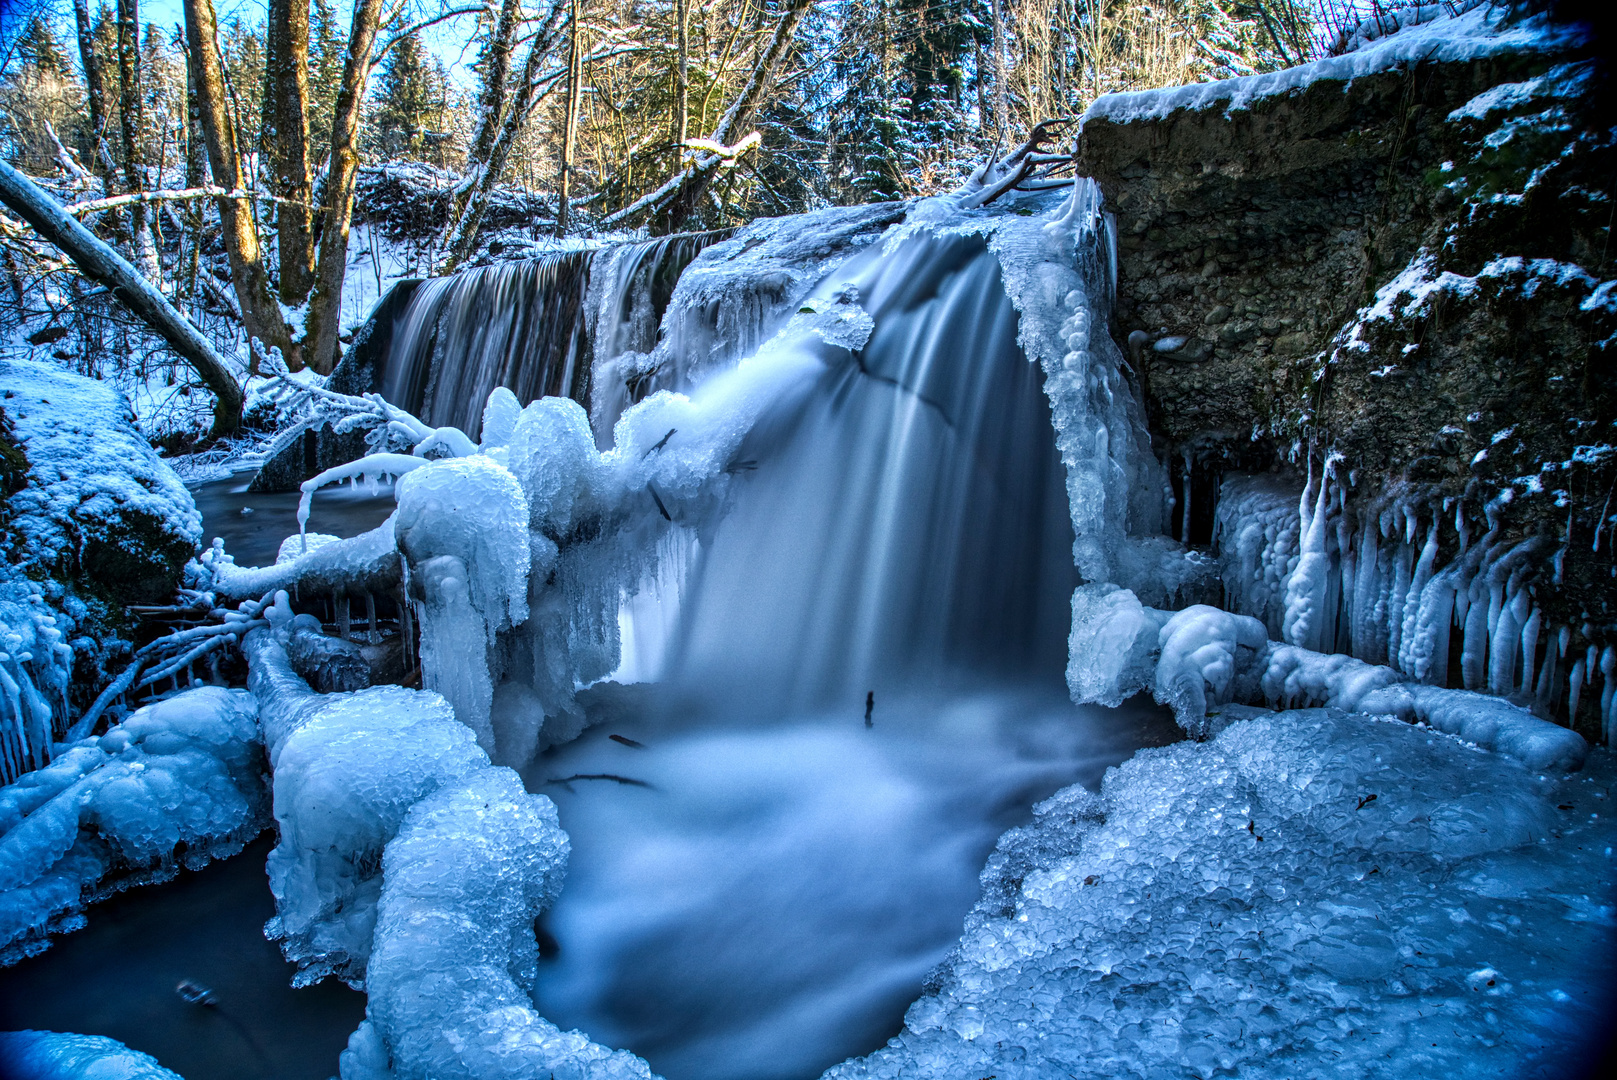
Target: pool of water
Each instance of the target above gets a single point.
(253, 525)
(117, 977)
(758, 899)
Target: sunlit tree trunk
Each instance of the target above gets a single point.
(325, 305)
(261, 317)
(569, 135)
(286, 109)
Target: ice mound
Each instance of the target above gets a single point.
(455, 957)
(348, 767)
(179, 782)
(1308, 894)
(50, 1055)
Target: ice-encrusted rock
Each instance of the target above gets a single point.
(52, 1055)
(348, 768)
(179, 782)
(455, 959)
(1308, 894)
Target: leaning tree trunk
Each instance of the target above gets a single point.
(681, 198)
(104, 265)
(495, 65)
(325, 305)
(286, 107)
(464, 232)
(259, 312)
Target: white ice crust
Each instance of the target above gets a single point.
(116, 810)
(1308, 894)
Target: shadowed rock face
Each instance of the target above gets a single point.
(1270, 239)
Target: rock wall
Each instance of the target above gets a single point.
(1406, 268)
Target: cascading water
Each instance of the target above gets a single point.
(535, 327)
(515, 325)
(766, 861)
(907, 519)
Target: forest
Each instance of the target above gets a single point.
(232, 173)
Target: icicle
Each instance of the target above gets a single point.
(345, 628)
(1364, 592)
(1549, 675)
(1574, 692)
(1474, 650)
(1305, 588)
(1502, 645)
(1608, 693)
(1429, 631)
(373, 635)
(1412, 602)
(1530, 630)
(1459, 525)
(1397, 599)
(1184, 528)
(1347, 575)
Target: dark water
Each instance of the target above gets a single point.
(253, 539)
(116, 977)
(760, 899)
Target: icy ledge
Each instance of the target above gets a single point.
(1201, 658)
(409, 862)
(1307, 894)
(183, 775)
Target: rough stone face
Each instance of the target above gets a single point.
(1390, 270)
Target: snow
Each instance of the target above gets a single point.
(1561, 81)
(1475, 35)
(91, 473)
(1307, 894)
(178, 782)
(1203, 655)
(50, 1055)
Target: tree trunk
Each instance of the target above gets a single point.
(685, 193)
(131, 124)
(286, 108)
(259, 313)
(96, 96)
(1001, 121)
(325, 305)
(682, 82)
(569, 134)
(105, 266)
(496, 65)
(463, 234)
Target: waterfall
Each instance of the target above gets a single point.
(536, 327)
(903, 517)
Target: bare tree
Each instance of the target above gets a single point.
(287, 116)
(100, 263)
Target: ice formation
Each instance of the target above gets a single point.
(93, 483)
(178, 782)
(1308, 894)
(410, 865)
(50, 1055)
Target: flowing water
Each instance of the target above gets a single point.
(117, 977)
(862, 688)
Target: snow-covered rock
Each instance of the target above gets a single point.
(1308, 894)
